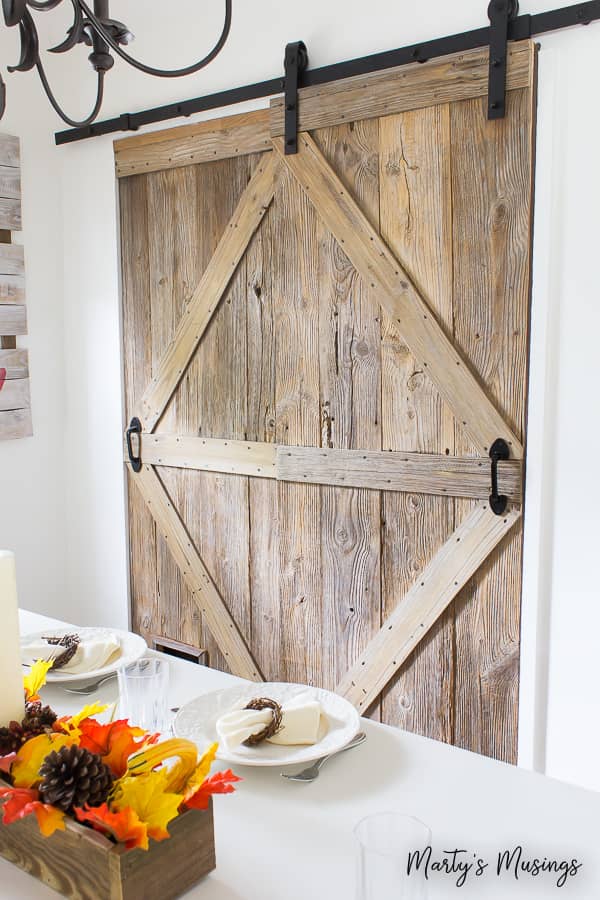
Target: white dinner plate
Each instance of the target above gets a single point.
(197, 721)
(132, 647)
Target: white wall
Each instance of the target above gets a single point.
(76, 545)
(32, 506)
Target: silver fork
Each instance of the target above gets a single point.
(90, 688)
(312, 772)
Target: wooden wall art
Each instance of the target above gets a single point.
(15, 407)
(321, 351)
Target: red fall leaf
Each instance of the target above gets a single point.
(219, 783)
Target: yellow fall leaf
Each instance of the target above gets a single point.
(199, 775)
(148, 796)
(36, 678)
(153, 755)
(71, 725)
(26, 766)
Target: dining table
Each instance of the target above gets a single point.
(284, 840)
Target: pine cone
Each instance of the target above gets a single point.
(11, 739)
(72, 776)
(38, 719)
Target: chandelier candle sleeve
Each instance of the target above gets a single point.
(12, 703)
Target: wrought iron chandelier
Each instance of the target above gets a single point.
(97, 30)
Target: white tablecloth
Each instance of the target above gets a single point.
(278, 840)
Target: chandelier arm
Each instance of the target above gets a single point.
(73, 123)
(149, 70)
(43, 4)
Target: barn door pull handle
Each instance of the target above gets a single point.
(499, 450)
(500, 13)
(135, 427)
(296, 61)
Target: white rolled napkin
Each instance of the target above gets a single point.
(93, 652)
(301, 718)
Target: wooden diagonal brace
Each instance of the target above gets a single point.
(380, 269)
(195, 574)
(248, 215)
(435, 588)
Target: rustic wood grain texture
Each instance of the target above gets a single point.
(491, 186)
(385, 470)
(455, 77)
(15, 423)
(295, 285)
(12, 289)
(10, 151)
(83, 865)
(212, 398)
(15, 394)
(229, 456)
(434, 589)
(15, 363)
(350, 409)
(10, 214)
(137, 362)
(215, 613)
(13, 319)
(416, 222)
(10, 182)
(209, 291)
(12, 259)
(263, 511)
(205, 142)
(400, 298)
(172, 199)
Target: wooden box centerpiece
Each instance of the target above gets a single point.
(104, 810)
(84, 865)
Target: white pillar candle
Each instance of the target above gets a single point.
(12, 703)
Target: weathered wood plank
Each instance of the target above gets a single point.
(212, 401)
(199, 581)
(137, 363)
(491, 189)
(263, 512)
(415, 86)
(295, 285)
(172, 198)
(14, 394)
(15, 363)
(10, 182)
(211, 454)
(10, 214)
(418, 473)
(10, 150)
(435, 588)
(416, 222)
(399, 297)
(15, 423)
(12, 259)
(190, 144)
(13, 319)
(208, 293)
(350, 388)
(12, 289)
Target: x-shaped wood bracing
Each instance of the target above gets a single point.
(476, 536)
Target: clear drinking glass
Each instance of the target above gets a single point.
(144, 693)
(385, 841)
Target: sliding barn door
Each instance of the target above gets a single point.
(320, 351)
